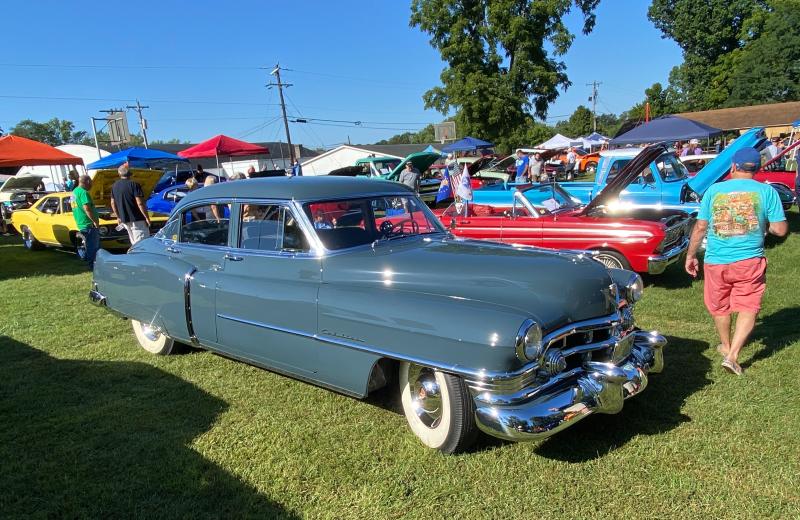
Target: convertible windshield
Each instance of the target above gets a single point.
(347, 223)
(551, 197)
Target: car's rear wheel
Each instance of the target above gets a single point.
(151, 339)
(438, 408)
(612, 260)
(29, 241)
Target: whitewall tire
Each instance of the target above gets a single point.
(438, 408)
(151, 339)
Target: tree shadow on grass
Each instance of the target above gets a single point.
(776, 331)
(655, 411)
(109, 439)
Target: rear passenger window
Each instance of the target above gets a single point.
(270, 227)
(208, 225)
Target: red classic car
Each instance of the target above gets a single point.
(781, 168)
(545, 215)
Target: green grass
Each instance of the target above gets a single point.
(93, 426)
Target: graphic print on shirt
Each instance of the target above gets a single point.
(735, 214)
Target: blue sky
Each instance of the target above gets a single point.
(199, 67)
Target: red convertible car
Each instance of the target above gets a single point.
(544, 215)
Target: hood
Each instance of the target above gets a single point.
(716, 169)
(628, 174)
(553, 287)
(104, 179)
(26, 182)
(421, 161)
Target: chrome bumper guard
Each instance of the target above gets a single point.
(659, 263)
(594, 387)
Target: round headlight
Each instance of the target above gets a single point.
(103, 230)
(529, 341)
(634, 289)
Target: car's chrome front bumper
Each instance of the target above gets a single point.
(569, 397)
(659, 263)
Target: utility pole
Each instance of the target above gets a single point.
(277, 73)
(593, 99)
(142, 122)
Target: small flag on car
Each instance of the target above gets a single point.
(445, 188)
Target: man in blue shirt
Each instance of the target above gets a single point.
(297, 170)
(522, 167)
(735, 215)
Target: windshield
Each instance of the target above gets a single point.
(347, 223)
(550, 197)
(671, 168)
(384, 167)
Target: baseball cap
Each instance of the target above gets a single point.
(747, 159)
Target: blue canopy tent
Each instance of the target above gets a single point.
(667, 128)
(137, 158)
(466, 144)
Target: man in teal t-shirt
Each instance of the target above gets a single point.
(85, 215)
(735, 215)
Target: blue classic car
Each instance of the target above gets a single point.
(353, 285)
(664, 184)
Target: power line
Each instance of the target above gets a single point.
(142, 122)
(277, 73)
(593, 99)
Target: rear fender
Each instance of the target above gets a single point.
(145, 287)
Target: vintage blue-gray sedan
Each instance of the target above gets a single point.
(354, 285)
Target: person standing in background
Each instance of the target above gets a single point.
(536, 168)
(250, 171)
(735, 215)
(572, 160)
(521, 165)
(72, 180)
(297, 170)
(410, 177)
(86, 218)
(127, 202)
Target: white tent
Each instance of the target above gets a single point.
(560, 141)
(54, 175)
(594, 139)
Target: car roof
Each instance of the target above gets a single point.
(621, 152)
(299, 188)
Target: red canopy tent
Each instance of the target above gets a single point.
(19, 151)
(222, 145)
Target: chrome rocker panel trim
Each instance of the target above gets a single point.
(658, 264)
(595, 387)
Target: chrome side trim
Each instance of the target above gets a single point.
(97, 298)
(187, 304)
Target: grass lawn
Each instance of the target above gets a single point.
(93, 426)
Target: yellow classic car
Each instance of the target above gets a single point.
(49, 222)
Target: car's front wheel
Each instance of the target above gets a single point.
(438, 408)
(151, 339)
(591, 168)
(29, 241)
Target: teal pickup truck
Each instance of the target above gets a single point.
(389, 168)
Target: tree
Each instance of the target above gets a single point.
(499, 63)
(578, 124)
(54, 132)
(767, 70)
(708, 33)
(663, 101)
(423, 136)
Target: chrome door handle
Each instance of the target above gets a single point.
(173, 250)
(233, 258)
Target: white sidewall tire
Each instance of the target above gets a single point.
(430, 437)
(161, 346)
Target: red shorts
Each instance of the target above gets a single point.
(736, 287)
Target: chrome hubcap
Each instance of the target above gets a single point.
(26, 237)
(609, 261)
(426, 395)
(150, 332)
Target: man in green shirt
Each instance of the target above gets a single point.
(86, 218)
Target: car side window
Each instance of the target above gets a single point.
(271, 227)
(49, 205)
(66, 205)
(208, 224)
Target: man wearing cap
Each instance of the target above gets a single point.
(735, 215)
(127, 202)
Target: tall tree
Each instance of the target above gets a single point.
(54, 132)
(501, 59)
(708, 32)
(767, 70)
(578, 124)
